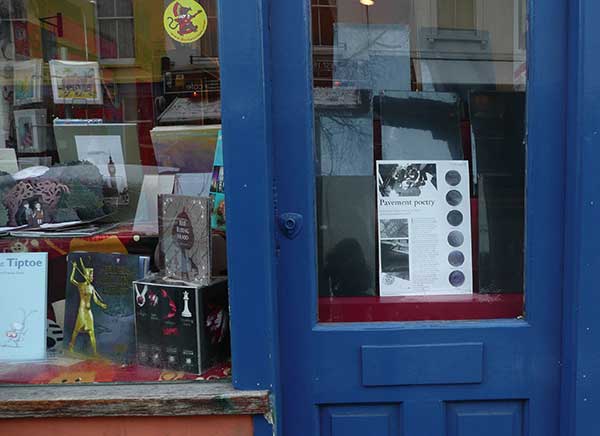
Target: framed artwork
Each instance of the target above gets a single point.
(27, 82)
(31, 130)
(75, 82)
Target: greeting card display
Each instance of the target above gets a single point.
(27, 82)
(424, 227)
(31, 130)
(181, 327)
(99, 312)
(23, 305)
(185, 238)
(75, 82)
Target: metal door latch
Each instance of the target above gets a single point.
(290, 224)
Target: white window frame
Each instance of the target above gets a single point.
(117, 60)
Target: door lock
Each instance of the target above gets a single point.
(290, 224)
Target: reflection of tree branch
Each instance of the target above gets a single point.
(342, 126)
(372, 42)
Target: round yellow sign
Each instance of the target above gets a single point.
(185, 21)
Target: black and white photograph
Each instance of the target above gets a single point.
(393, 228)
(395, 259)
(409, 180)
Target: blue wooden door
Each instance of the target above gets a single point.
(429, 366)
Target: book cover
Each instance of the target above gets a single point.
(99, 308)
(23, 306)
(182, 327)
(185, 237)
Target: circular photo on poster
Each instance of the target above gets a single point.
(456, 258)
(454, 198)
(453, 178)
(456, 238)
(455, 218)
(457, 279)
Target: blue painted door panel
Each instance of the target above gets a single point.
(492, 378)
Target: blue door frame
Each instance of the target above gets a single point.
(266, 102)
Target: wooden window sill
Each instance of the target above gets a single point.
(176, 399)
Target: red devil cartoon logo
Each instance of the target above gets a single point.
(183, 20)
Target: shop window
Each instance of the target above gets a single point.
(112, 204)
(116, 29)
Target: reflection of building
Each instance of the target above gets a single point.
(448, 36)
(143, 70)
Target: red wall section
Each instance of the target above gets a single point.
(130, 426)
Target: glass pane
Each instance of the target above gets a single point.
(126, 38)
(112, 203)
(106, 8)
(446, 14)
(465, 14)
(124, 8)
(108, 39)
(18, 9)
(423, 127)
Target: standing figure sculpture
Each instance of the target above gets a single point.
(87, 293)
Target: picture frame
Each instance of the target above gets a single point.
(27, 82)
(31, 128)
(75, 82)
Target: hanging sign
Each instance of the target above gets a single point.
(185, 21)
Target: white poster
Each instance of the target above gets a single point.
(424, 219)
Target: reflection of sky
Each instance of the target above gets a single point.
(400, 143)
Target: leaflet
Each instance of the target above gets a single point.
(424, 219)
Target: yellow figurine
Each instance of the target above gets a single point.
(87, 292)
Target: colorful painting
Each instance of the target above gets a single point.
(31, 130)
(27, 82)
(75, 82)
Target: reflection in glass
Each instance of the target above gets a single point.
(420, 82)
(418, 125)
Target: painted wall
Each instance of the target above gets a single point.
(130, 426)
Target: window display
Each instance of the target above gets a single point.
(112, 213)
